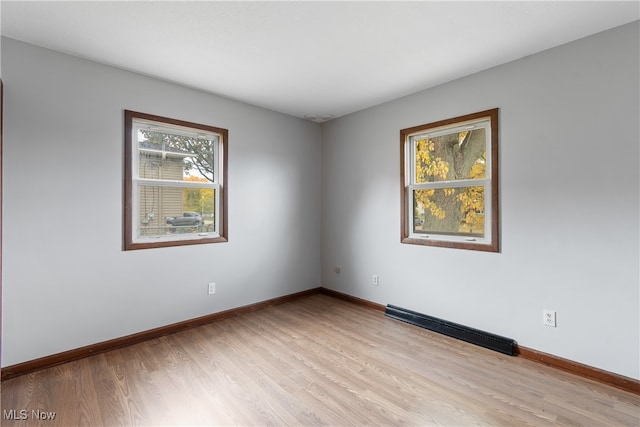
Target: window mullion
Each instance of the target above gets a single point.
(451, 184)
(173, 183)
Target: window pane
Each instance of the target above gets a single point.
(164, 155)
(452, 156)
(175, 210)
(452, 211)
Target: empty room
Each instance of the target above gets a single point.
(320, 213)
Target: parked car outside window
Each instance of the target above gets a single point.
(187, 219)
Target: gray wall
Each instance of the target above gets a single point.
(569, 197)
(67, 282)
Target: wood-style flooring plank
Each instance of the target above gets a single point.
(315, 361)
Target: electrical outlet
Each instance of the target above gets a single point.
(374, 280)
(549, 318)
(212, 288)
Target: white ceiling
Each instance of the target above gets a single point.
(308, 58)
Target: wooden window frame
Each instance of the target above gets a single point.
(130, 225)
(490, 243)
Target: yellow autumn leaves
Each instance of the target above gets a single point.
(472, 202)
(428, 168)
(198, 199)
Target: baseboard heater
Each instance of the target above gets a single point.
(461, 332)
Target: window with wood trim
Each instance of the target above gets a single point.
(175, 182)
(449, 172)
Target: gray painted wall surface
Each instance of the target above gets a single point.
(67, 282)
(569, 198)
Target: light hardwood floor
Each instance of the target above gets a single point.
(315, 361)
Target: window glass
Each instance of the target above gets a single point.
(454, 211)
